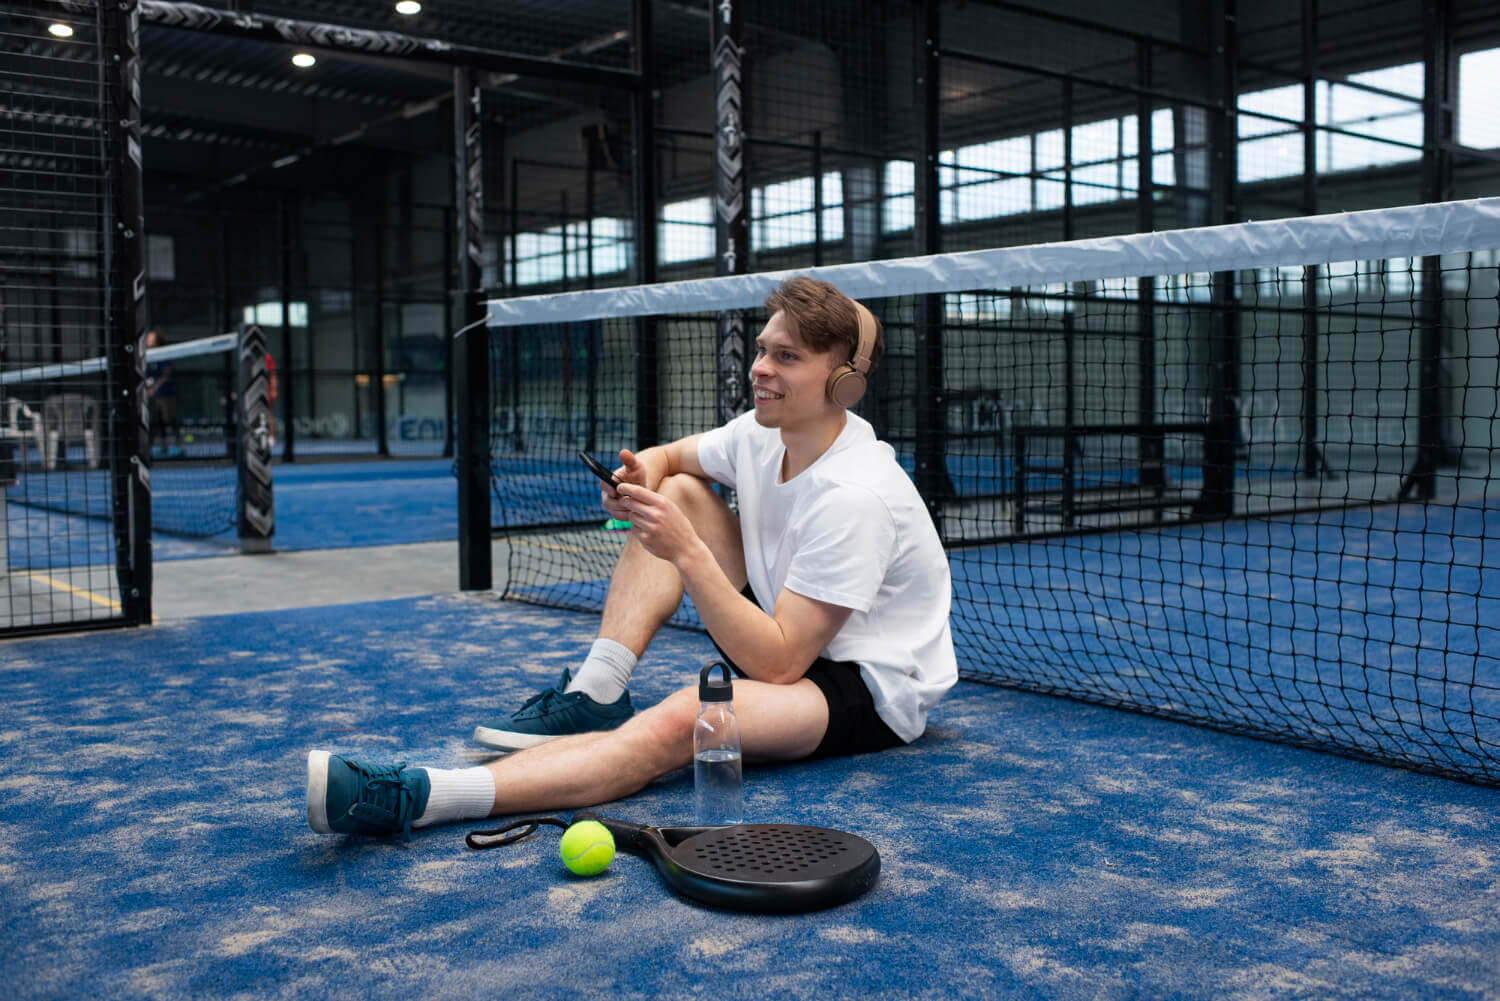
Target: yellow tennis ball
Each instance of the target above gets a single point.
(587, 848)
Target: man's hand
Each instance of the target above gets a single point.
(657, 523)
(647, 469)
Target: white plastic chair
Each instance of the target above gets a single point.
(69, 417)
(20, 422)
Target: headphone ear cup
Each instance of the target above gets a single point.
(846, 386)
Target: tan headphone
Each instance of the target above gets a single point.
(846, 383)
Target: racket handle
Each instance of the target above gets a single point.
(629, 837)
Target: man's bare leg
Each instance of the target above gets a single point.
(344, 796)
(777, 722)
(644, 591)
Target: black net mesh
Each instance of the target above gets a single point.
(1255, 499)
(194, 437)
(54, 280)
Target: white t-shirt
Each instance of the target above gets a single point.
(849, 530)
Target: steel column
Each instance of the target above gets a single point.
(643, 130)
(130, 446)
(930, 405)
(1433, 397)
(731, 202)
(1221, 445)
(475, 570)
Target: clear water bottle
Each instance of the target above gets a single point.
(718, 779)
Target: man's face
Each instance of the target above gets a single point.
(788, 378)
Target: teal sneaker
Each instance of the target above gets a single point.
(553, 713)
(345, 796)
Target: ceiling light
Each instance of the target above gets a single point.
(408, 7)
(303, 59)
(61, 30)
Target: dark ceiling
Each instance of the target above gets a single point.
(215, 105)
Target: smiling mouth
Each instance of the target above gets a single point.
(766, 394)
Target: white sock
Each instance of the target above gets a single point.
(457, 794)
(605, 673)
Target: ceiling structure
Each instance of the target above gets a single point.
(218, 108)
(215, 105)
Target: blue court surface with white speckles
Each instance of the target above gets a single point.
(155, 846)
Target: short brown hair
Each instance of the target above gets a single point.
(823, 316)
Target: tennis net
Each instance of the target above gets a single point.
(60, 420)
(1237, 475)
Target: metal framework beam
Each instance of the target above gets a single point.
(362, 41)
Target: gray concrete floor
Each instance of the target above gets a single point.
(186, 589)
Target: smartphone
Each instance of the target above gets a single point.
(598, 470)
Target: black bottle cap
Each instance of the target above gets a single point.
(715, 691)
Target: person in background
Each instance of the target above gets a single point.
(161, 397)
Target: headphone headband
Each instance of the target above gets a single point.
(866, 345)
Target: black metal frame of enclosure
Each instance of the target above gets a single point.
(1439, 99)
(931, 407)
(929, 53)
(130, 463)
(470, 371)
(475, 571)
(1216, 103)
(469, 367)
(643, 135)
(731, 202)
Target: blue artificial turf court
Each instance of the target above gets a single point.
(155, 845)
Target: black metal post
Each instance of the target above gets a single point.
(475, 570)
(731, 202)
(817, 173)
(1150, 452)
(285, 377)
(130, 445)
(227, 319)
(562, 236)
(1437, 185)
(377, 377)
(1067, 133)
(593, 346)
(595, 351)
(1312, 463)
(453, 309)
(357, 351)
(254, 499)
(515, 223)
(1069, 441)
(929, 404)
(589, 210)
(643, 129)
(1222, 403)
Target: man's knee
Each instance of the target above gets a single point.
(664, 732)
(687, 491)
(711, 518)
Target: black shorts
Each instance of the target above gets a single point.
(854, 727)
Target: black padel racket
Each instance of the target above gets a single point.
(766, 868)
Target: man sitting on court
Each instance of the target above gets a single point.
(829, 591)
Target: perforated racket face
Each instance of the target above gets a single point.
(775, 853)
